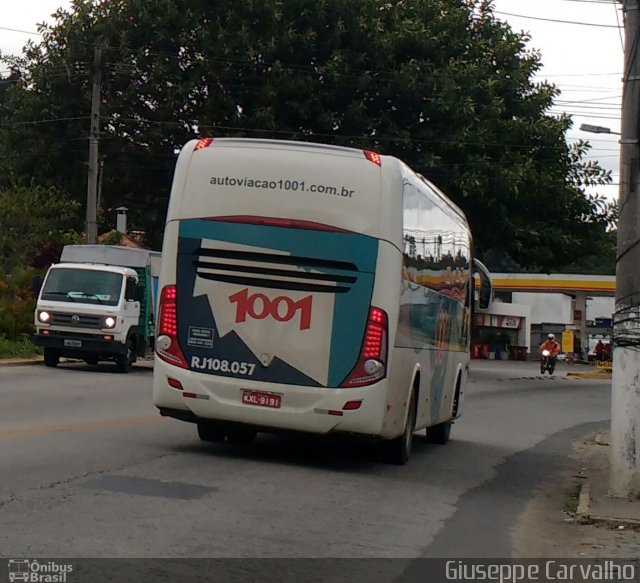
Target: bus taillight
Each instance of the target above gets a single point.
(167, 346)
(373, 157)
(372, 362)
(203, 143)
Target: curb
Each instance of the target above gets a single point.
(584, 503)
(584, 516)
(20, 362)
(589, 375)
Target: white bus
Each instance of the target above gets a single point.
(311, 288)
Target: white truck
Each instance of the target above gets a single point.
(98, 303)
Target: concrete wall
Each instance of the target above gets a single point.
(600, 308)
(546, 308)
(557, 308)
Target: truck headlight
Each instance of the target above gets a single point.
(109, 322)
(44, 317)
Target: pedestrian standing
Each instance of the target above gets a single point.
(599, 350)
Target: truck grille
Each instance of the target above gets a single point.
(76, 320)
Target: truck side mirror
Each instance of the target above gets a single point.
(131, 290)
(139, 292)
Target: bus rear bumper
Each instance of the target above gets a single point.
(303, 409)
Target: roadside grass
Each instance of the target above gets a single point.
(18, 349)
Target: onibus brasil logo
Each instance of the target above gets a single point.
(34, 571)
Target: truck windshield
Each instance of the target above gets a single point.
(83, 285)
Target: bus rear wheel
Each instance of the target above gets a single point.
(241, 436)
(440, 433)
(211, 431)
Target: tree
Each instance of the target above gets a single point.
(603, 262)
(441, 84)
(6, 82)
(17, 303)
(32, 219)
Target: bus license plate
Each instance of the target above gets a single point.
(261, 399)
(73, 343)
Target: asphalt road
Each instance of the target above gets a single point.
(89, 469)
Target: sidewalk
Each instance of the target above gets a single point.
(570, 515)
(530, 369)
(21, 361)
(595, 506)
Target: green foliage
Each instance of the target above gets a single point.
(17, 304)
(18, 349)
(602, 262)
(113, 238)
(30, 219)
(440, 84)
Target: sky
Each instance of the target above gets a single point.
(582, 54)
(584, 60)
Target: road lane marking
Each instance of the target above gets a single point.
(74, 427)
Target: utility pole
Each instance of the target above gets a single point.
(624, 480)
(94, 138)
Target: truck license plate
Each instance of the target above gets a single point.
(261, 399)
(73, 343)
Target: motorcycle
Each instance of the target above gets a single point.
(547, 362)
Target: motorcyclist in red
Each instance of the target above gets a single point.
(553, 347)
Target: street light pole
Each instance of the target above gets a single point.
(624, 479)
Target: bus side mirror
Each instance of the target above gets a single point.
(485, 294)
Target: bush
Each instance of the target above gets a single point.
(17, 304)
(30, 220)
(18, 349)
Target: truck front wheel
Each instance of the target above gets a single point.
(126, 360)
(51, 357)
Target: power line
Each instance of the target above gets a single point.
(39, 121)
(591, 88)
(311, 69)
(594, 140)
(582, 105)
(20, 31)
(594, 99)
(591, 1)
(308, 69)
(580, 109)
(60, 72)
(580, 114)
(619, 74)
(289, 132)
(558, 21)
